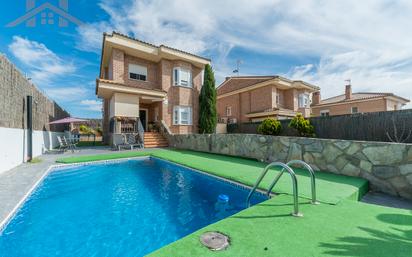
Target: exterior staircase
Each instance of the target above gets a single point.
(154, 139)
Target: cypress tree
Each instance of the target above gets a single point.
(207, 102)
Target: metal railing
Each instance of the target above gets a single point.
(140, 130)
(312, 178)
(294, 185)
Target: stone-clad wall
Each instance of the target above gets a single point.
(14, 88)
(387, 166)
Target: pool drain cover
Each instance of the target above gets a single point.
(215, 241)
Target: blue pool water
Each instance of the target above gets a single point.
(127, 208)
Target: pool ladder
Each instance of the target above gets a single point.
(286, 167)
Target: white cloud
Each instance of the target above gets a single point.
(66, 94)
(92, 105)
(367, 41)
(43, 64)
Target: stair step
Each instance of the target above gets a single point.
(154, 140)
(156, 145)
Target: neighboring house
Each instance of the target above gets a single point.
(254, 98)
(143, 82)
(350, 103)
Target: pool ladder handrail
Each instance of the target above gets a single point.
(294, 185)
(312, 178)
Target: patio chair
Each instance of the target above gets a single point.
(120, 141)
(134, 141)
(69, 144)
(62, 145)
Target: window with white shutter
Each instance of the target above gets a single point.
(182, 77)
(182, 115)
(137, 72)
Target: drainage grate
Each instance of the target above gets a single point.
(215, 241)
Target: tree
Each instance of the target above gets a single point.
(207, 102)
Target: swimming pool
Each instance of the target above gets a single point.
(121, 208)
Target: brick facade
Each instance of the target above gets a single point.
(252, 100)
(159, 77)
(364, 102)
(371, 105)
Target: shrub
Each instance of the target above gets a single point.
(302, 126)
(85, 129)
(270, 126)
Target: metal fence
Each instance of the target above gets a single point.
(393, 126)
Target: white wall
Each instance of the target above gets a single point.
(13, 145)
(124, 105)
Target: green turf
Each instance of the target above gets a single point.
(331, 188)
(347, 229)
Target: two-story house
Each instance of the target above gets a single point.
(254, 98)
(142, 82)
(352, 103)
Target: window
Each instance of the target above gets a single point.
(137, 72)
(324, 113)
(182, 77)
(229, 111)
(277, 99)
(182, 115)
(303, 100)
(354, 109)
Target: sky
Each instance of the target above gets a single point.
(319, 41)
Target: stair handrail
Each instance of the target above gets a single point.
(312, 178)
(140, 130)
(294, 185)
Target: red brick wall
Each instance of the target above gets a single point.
(261, 99)
(180, 95)
(116, 66)
(152, 79)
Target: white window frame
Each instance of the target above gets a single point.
(324, 113)
(303, 100)
(177, 74)
(351, 109)
(178, 110)
(139, 67)
(228, 111)
(277, 99)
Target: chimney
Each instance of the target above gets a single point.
(227, 78)
(348, 91)
(316, 98)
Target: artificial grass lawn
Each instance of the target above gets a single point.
(331, 188)
(347, 229)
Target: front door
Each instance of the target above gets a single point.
(143, 118)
